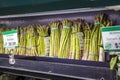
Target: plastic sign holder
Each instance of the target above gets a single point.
(111, 38)
(111, 42)
(10, 41)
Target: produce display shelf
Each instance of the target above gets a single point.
(57, 69)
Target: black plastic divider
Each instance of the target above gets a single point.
(60, 60)
(57, 69)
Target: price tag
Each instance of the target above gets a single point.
(111, 38)
(10, 39)
(47, 45)
(81, 40)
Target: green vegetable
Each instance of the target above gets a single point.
(55, 38)
(113, 62)
(64, 50)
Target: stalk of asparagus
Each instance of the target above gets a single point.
(101, 49)
(55, 38)
(73, 42)
(40, 43)
(22, 41)
(28, 44)
(79, 40)
(87, 35)
(93, 54)
(76, 39)
(2, 29)
(105, 22)
(64, 51)
(33, 38)
(42, 32)
(96, 37)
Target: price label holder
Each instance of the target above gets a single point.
(81, 39)
(111, 38)
(10, 40)
(47, 45)
(111, 42)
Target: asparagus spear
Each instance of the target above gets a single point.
(87, 35)
(42, 32)
(79, 40)
(65, 39)
(76, 39)
(55, 38)
(2, 29)
(100, 21)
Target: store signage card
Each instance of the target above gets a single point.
(111, 38)
(10, 39)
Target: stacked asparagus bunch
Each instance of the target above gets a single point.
(31, 46)
(1, 38)
(55, 38)
(22, 40)
(100, 21)
(76, 40)
(87, 28)
(41, 46)
(64, 50)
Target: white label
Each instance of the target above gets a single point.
(81, 40)
(47, 45)
(10, 39)
(111, 39)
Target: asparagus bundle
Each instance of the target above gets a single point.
(42, 32)
(76, 40)
(107, 23)
(93, 54)
(55, 38)
(1, 38)
(34, 39)
(65, 39)
(22, 39)
(79, 42)
(28, 44)
(96, 37)
(32, 42)
(73, 42)
(87, 35)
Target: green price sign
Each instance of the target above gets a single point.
(111, 38)
(10, 39)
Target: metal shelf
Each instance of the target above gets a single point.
(30, 6)
(57, 69)
(53, 12)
